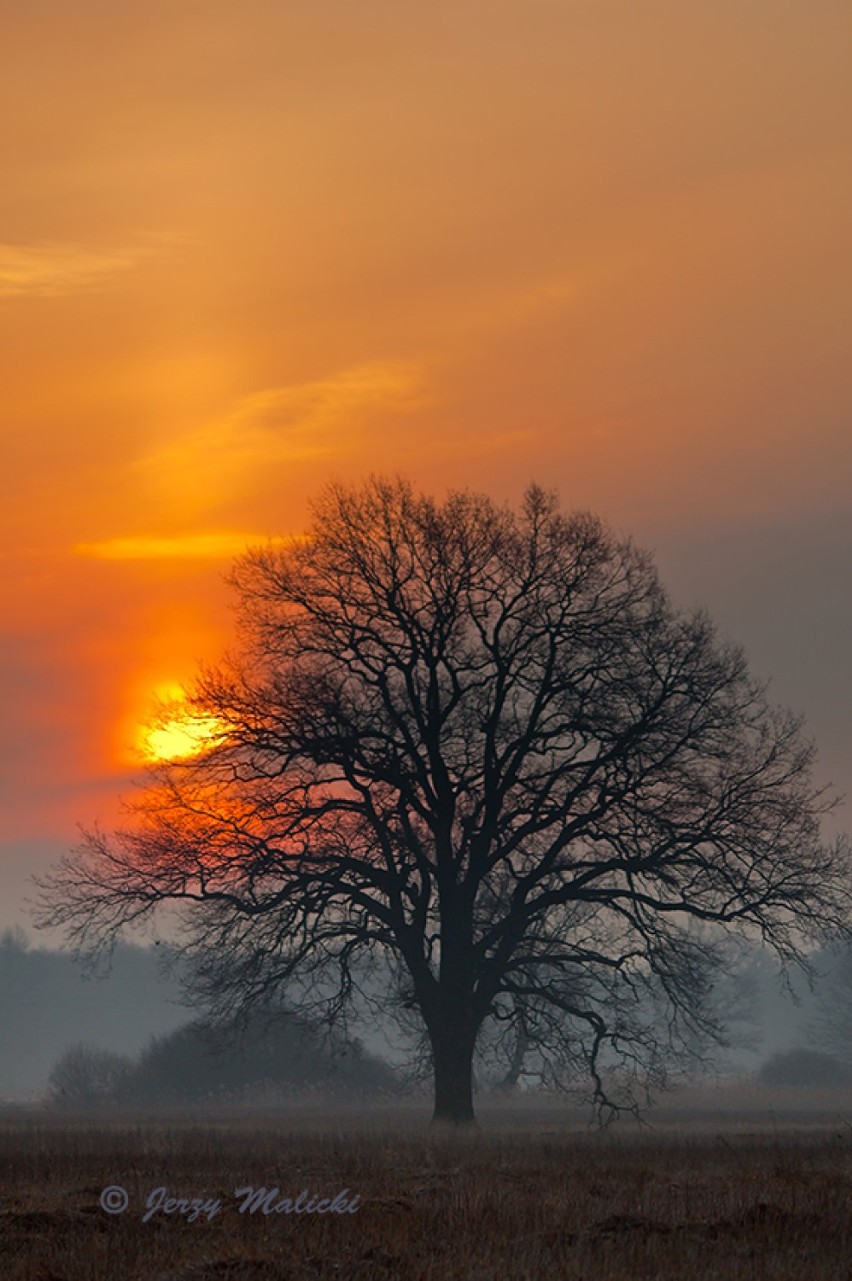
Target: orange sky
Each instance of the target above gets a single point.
(246, 248)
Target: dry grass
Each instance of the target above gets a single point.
(525, 1197)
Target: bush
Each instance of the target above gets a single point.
(85, 1077)
(802, 1067)
(284, 1055)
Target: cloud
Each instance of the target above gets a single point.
(324, 403)
(51, 270)
(505, 306)
(222, 546)
(324, 418)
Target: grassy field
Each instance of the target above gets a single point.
(532, 1194)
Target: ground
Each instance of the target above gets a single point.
(533, 1194)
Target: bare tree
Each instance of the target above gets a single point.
(483, 749)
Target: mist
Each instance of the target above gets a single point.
(49, 1007)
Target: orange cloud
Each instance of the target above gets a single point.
(221, 546)
(308, 420)
(53, 270)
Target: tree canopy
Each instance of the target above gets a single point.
(480, 750)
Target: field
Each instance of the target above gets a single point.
(533, 1193)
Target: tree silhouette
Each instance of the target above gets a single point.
(480, 747)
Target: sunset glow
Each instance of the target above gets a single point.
(249, 249)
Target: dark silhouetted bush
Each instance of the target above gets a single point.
(200, 1063)
(85, 1077)
(284, 1055)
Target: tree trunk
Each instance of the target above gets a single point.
(453, 1022)
(452, 1057)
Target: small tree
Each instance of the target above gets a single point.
(485, 748)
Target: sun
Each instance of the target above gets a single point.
(175, 733)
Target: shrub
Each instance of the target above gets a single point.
(284, 1055)
(803, 1067)
(85, 1076)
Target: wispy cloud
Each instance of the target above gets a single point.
(50, 270)
(324, 402)
(505, 306)
(310, 420)
(217, 546)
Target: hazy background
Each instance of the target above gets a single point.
(49, 1006)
